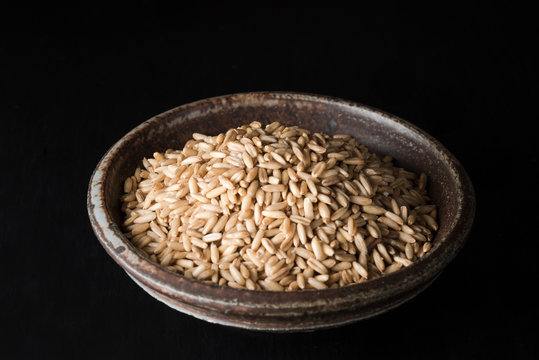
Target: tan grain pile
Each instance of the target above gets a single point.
(277, 208)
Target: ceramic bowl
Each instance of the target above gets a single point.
(450, 188)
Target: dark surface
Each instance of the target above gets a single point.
(468, 78)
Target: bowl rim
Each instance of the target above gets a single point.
(177, 286)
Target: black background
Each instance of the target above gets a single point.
(467, 76)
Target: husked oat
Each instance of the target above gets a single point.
(277, 208)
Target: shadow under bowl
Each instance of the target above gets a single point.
(449, 187)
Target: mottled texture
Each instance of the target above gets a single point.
(449, 187)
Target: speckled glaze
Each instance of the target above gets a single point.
(450, 188)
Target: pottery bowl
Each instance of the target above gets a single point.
(450, 189)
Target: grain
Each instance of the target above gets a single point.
(319, 285)
(274, 214)
(277, 208)
(373, 209)
(300, 219)
(360, 269)
(317, 249)
(406, 237)
(216, 192)
(307, 208)
(212, 237)
(270, 285)
(145, 218)
(317, 266)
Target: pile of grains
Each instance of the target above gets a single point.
(277, 208)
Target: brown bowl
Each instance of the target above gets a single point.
(450, 188)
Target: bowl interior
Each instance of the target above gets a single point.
(381, 133)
